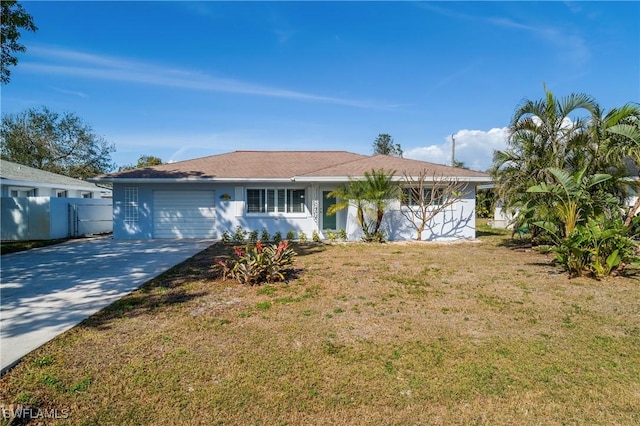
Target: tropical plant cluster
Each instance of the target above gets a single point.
(370, 196)
(241, 236)
(567, 178)
(256, 264)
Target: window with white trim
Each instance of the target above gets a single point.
(87, 195)
(431, 196)
(61, 193)
(22, 192)
(131, 204)
(275, 200)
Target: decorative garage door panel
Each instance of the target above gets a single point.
(184, 214)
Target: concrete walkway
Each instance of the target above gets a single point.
(46, 291)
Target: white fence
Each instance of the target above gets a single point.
(45, 218)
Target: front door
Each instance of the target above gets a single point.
(328, 221)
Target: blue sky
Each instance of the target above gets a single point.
(181, 80)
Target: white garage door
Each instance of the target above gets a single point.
(183, 214)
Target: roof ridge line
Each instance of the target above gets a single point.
(337, 164)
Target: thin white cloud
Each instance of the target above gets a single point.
(70, 92)
(80, 64)
(452, 77)
(571, 46)
(473, 147)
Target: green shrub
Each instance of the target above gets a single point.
(277, 237)
(291, 235)
(253, 236)
(226, 237)
(258, 264)
(599, 247)
(239, 235)
(342, 234)
(315, 237)
(332, 236)
(264, 236)
(302, 236)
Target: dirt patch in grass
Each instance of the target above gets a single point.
(423, 333)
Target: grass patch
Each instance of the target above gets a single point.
(466, 333)
(7, 247)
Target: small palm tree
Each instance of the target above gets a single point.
(570, 198)
(370, 196)
(380, 189)
(353, 193)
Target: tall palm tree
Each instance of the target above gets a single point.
(625, 142)
(605, 151)
(542, 135)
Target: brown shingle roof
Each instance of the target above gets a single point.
(285, 165)
(400, 166)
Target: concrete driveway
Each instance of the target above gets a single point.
(46, 291)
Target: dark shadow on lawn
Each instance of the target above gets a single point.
(163, 291)
(490, 232)
(167, 289)
(516, 243)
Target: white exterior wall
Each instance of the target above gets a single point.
(45, 218)
(50, 190)
(457, 222)
(229, 213)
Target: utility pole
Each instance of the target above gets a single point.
(453, 151)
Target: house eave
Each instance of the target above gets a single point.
(185, 180)
(301, 179)
(395, 178)
(33, 184)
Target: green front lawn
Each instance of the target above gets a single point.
(416, 333)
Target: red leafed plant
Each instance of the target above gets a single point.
(258, 264)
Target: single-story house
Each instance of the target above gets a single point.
(17, 180)
(40, 205)
(279, 191)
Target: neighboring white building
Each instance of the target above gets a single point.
(279, 191)
(39, 205)
(17, 180)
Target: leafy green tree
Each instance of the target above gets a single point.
(459, 164)
(143, 162)
(485, 203)
(383, 144)
(370, 196)
(14, 17)
(63, 144)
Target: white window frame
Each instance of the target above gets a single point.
(21, 191)
(62, 193)
(131, 204)
(409, 201)
(87, 194)
(275, 201)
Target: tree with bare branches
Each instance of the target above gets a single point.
(425, 196)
